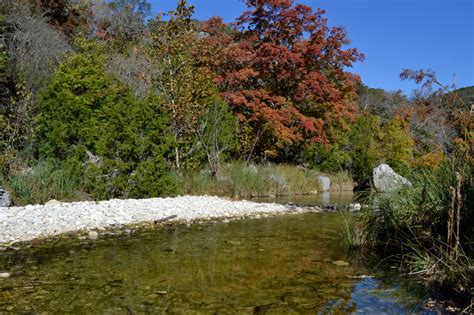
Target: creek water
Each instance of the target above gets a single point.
(327, 198)
(276, 265)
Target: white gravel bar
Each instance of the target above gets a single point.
(41, 221)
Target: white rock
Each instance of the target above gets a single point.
(4, 275)
(386, 180)
(52, 202)
(355, 207)
(325, 183)
(93, 235)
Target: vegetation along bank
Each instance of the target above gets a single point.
(101, 100)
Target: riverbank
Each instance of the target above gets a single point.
(20, 224)
(48, 180)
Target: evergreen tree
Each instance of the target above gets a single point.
(93, 122)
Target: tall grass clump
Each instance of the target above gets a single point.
(238, 179)
(351, 234)
(42, 182)
(429, 227)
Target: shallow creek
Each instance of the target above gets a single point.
(276, 265)
(328, 198)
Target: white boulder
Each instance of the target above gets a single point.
(325, 183)
(386, 180)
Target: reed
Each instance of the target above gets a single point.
(237, 179)
(428, 227)
(42, 182)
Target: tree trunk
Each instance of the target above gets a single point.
(257, 137)
(176, 153)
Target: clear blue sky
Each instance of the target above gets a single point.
(393, 34)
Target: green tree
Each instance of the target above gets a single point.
(216, 133)
(365, 138)
(3, 118)
(329, 157)
(93, 123)
(185, 86)
(3, 59)
(397, 144)
(373, 142)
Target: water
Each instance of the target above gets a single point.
(332, 198)
(278, 265)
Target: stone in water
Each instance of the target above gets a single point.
(325, 183)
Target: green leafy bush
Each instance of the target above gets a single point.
(93, 123)
(373, 142)
(328, 157)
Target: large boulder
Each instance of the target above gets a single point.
(324, 183)
(386, 180)
(5, 200)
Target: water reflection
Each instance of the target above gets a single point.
(333, 198)
(272, 265)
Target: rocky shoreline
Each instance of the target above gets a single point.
(22, 224)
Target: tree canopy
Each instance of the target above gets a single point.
(282, 69)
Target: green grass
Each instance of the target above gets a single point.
(239, 180)
(419, 225)
(47, 180)
(341, 181)
(352, 234)
(40, 183)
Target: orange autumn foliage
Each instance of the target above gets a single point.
(282, 70)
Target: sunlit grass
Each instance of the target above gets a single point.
(238, 179)
(42, 182)
(422, 226)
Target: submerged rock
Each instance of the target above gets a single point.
(340, 263)
(325, 183)
(386, 180)
(5, 200)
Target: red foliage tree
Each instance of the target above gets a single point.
(281, 67)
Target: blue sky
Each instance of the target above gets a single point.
(393, 34)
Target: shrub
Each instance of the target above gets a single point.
(372, 143)
(328, 157)
(90, 119)
(365, 145)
